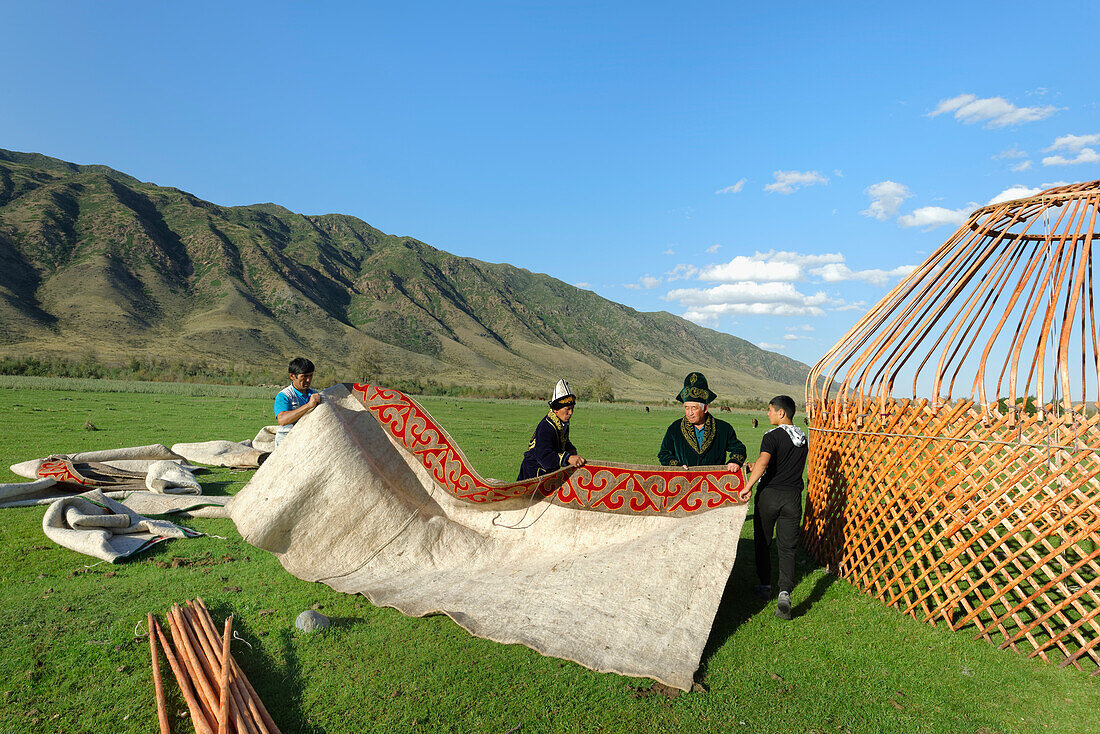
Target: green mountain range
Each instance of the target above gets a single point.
(93, 260)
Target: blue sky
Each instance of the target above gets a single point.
(769, 171)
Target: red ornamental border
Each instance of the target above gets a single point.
(61, 470)
(624, 489)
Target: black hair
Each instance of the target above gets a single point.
(784, 403)
(300, 366)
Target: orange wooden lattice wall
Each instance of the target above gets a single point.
(978, 510)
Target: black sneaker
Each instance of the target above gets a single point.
(783, 606)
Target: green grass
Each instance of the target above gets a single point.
(96, 385)
(69, 661)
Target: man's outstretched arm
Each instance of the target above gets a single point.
(286, 417)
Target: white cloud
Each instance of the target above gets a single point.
(1073, 143)
(770, 266)
(649, 281)
(713, 249)
(787, 182)
(853, 306)
(747, 297)
(669, 251)
(886, 197)
(792, 337)
(733, 189)
(1014, 154)
(764, 284)
(778, 266)
(1053, 184)
(747, 268)
(682, 271)
(838, 173)
(744, 292)
(931, 217)
(703, 319)
(583, 285)
(769, 345)
(837, 272)
(993, 111)
(1085, 155)
(632, 286)
(952, 103)
(1010, 154)
(1014, 192)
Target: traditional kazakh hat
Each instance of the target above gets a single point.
(563, 396)
(696, 390)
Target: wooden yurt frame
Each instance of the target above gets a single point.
(980, 510)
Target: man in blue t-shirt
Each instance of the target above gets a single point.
(296, 399)
(778, 500)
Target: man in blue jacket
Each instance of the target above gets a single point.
(296, 399)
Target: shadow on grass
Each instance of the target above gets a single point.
(806, 603)
(223, 482)
(346, 622)
(280, 690)
(290, 700)
(739, 603)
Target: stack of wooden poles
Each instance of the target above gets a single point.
(218, 695)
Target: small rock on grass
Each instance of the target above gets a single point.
(311, 620)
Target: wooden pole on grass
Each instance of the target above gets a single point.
(193, 705)
(255, 704)
(162, 709)
(223, 727)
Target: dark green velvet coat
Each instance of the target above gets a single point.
(720, 444)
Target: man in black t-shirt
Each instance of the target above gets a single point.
(778, 500)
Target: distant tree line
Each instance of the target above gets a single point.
(365, 366)
(139, 368)
(416, 386)
(150, 369)
(598, 389)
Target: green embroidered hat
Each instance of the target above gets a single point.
(696, 390)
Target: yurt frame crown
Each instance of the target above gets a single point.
(980, 510)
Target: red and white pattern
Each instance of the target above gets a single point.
(61, 469)
(623, 489)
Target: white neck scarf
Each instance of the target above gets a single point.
(798, 438)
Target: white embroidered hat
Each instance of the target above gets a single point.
(562, 395)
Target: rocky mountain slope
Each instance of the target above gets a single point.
(92, 259)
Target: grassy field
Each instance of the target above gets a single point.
(70, 661)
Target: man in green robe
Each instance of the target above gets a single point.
(700, 439)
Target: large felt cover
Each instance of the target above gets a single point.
(617, 567)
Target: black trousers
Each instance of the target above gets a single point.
(778, 511)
